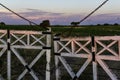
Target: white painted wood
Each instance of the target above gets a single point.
(24, 38)
(106, 69)
(38, 40)
(70, 52)
(27, 47)
(57, 68)
(84, 66)
(67, 67)
(3, 50)
(18, 39)
(73, 46)
(24, 32)
(76, 38)
(8, 65)
(31, 64)
(119, 48)
(3, 33)
(28, 39)
(3, 42)
(108, 57)
(94, 70)
(76, 55)
(107, 48)
(98, 41)
(24, 63)
(116, 38)
(48, 57)
(3, 46)
(64, 47)
(83, 47)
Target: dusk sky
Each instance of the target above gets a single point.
(60, 12)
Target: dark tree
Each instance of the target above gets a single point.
(45, 23)
(75, 23)
(116, 24)
(98, 24)
(106, 24)
(2, 23)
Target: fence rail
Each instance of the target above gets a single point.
(100, 52)
(95, 49)
(11, 41)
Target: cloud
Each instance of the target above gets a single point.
(37, 16)
(108, 15)
(34, 12)
(110, 18)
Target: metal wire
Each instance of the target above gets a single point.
(30, 22)
(72, 27)
(93, 11)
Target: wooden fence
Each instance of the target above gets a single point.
(97, 50)
(100, 52)
(12, 41)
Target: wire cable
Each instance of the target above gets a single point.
(76, 23)
(93, 11)
(30, 22)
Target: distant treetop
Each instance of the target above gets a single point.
(2, 23)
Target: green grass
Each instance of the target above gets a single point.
(21, 27)
(72, 31)
(88, 31)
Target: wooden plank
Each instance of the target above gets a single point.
(84, 67)
(94, 70)
(106, 69)
(67, 67)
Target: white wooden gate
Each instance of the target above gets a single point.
(96, 50)
(13, 40)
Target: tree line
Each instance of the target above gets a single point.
(46, 23)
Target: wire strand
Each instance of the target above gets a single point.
(75, 23)
(30, 22)
(93, 11)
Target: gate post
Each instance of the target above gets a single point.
(57, 68)
(94, 63)
(48, 54)
(8, 56)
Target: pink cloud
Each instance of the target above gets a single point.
(57, 18)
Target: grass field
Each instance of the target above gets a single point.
(109, 30)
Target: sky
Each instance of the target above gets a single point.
(60, 12)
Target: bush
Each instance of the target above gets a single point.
(45, 23)
(116, 24)
(2, 23)
(98, 24)
(106, 24)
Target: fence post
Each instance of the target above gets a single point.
(119, 48)
(94, 63)
(8, 56)
(48, 55)
(57, 68)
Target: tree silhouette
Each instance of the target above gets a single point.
(45, 23)
(75, 23)
(116, 24)
(2, 24)
(106, 24)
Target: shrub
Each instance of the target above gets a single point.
(2, 23)
(116, 24)
(106, 24)
(45, 23)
